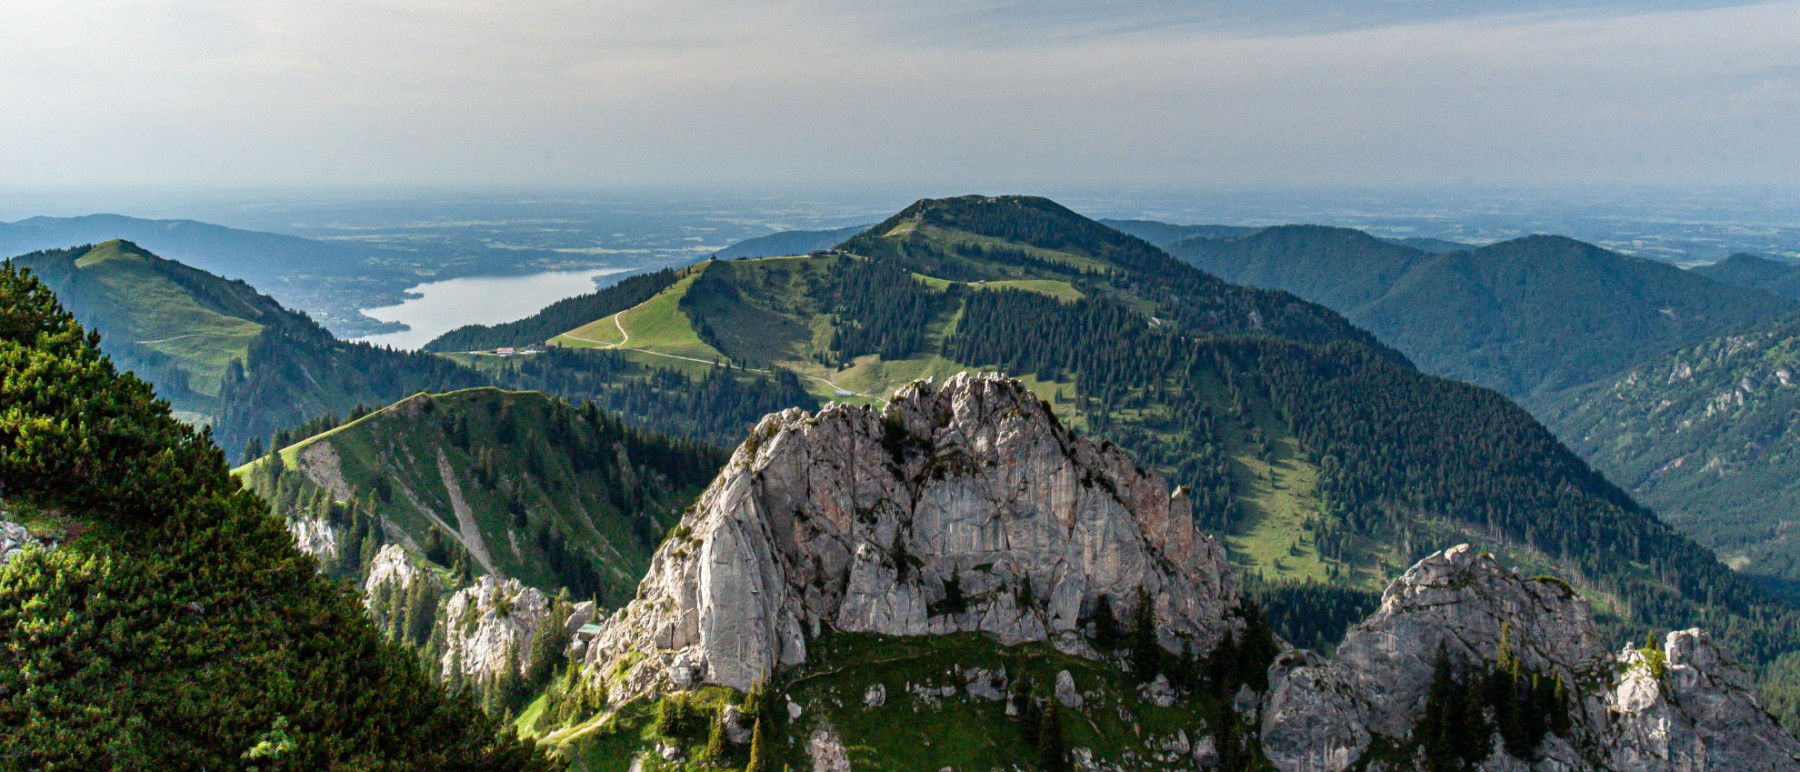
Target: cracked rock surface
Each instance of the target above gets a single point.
(961, 506)
(1323, 715)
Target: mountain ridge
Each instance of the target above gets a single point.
(1530, 316)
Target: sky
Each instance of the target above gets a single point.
(959, 93)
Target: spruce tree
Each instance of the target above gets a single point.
(1146, 653)
(1052, 755)
(1106, 626)
(1437, 729)
(715, 749)
(759, 750)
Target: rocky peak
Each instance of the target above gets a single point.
(1693, 710)
(1624, 712)
(960, 506)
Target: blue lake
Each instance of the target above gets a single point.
(434, 308)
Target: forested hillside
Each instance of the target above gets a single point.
(1324, 460)
(1704, 436)
(1527, 317)
(174, 625)
(1776, 277)
(484, 481)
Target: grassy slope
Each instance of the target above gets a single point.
(657, 325)
(167, 317)
(136, 301)
(907, 733)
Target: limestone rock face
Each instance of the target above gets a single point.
(1323, 715)
(961, 506)
(315, 536)
(391, 566)
(1699, 715)
(490, 624)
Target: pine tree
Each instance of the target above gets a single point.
(759, 750)
(715, 749)
(1052, 755)
(1146, 652)
(1106, 626)
(1221, 666)
(1437, 730)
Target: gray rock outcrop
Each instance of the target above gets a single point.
(1321, 716)
(1699, 715)
(391, 566)
(490, 624)
(962, 506)
(14, 538)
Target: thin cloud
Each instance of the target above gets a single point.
(990, 96)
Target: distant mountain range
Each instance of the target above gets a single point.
(1775, 276)
(1528, 317)
(788, 243)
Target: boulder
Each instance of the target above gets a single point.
(738, 725)
(1066, 693)
(875, 696)
(1206, 753)
(1159, 692)
(14, 538)
(827, 751)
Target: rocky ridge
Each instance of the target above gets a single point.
(960, 506)
(1694, 710)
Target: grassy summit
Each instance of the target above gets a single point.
(180, 326)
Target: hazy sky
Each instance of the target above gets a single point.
(983, 95)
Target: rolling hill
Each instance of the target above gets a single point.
(1527, 317)
(1322, 457)
(173, 325)
(330, 280)
(1776, 277)
(788, 243)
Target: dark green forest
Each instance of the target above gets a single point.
(177, 626)
(557, 317)
(1526, 317)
